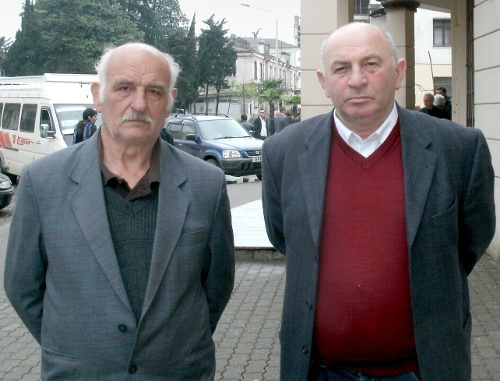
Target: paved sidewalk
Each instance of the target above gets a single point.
(247, 335)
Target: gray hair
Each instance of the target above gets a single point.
(387, 35)
(101, 67)
(439, 100)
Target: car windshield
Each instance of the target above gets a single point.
(68, 116)
(222, 129)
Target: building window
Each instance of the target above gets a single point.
(255, 70)
(261, 71)
(442, 32)
(361, 7)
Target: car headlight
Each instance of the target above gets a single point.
(5, 184)
(230, 154)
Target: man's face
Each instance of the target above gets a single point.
(440, 92)
(262, 114)
(428, 102)
(360, 76)
(136, 97)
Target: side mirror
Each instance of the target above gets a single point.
(45, 132)
(191, 137)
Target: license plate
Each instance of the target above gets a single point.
(256, 159)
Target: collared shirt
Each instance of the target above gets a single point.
(263, 131)
(367, 146)
(143, 187)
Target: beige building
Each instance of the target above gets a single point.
(474, 34)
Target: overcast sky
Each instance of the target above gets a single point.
(241, 20)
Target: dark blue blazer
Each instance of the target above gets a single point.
(450, 221)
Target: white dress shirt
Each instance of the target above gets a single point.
(369, 145)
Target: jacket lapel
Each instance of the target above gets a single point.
(172, 210)
(89, 207)
(419, 165)
(313, 170)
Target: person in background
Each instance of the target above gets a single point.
(430, 109)
(382, 214)
(86, 127)
(281, 120)
(245, 123)
(439, 101)
(121, 262)
(261, 125)
(447, 104)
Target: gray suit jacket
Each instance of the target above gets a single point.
(450, 221)
(63, 279)
(280, 122)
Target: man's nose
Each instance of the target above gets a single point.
(139, 102)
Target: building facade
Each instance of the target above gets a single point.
(256, 62)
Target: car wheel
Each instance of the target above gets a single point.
(259, 177)
(213, 162)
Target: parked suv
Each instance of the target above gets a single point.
(219, 140)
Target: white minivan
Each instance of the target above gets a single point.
(38, 115)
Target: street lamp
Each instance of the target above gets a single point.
(276, 18)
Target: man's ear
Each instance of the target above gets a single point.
(400, 72)
(322, 81)
(94, 88)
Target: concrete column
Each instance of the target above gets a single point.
(400, 22)
(313, 31)
(459, 61)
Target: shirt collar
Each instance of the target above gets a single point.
(367, 146)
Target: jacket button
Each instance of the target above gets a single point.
(305, 350)
(132, 368)
(309, 305)
(122, 328)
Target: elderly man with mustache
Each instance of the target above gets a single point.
(120, 259)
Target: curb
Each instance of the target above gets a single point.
(256, 253)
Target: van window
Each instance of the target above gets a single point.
(1, 109)
(10, 118)
(28, 118)
(45, 118)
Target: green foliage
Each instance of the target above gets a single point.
(67, 37)
(24, 56)
(216, 57)
(181, 44)
(271, 91)
(155, 18)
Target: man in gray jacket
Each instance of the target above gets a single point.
(121, 262)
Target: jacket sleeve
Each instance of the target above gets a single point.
(26, 262)
(219, 272)
(477, 225)
(271, 197)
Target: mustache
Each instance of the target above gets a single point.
(138, 116)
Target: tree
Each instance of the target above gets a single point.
(67, 37)
(24, 56)
(294, 101)
(182, 46)
(216, 58)
(75, 33)
(157, 19)
(4, 47)
(271, 91)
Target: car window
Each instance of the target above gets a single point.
(175, 130)
(188, 129)
(222, 128)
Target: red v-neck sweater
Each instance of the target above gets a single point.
(363, 313)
